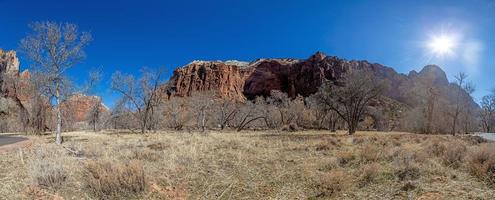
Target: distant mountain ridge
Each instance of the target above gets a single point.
(300, 77)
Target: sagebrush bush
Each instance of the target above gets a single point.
(453, 154)
(368, 174)
(107, 180)
(481, 163)
(47, 173)
(407, 164)
(331, 183)
(408, 172)
(345, 158)
(370, 153)
(436, 147)
(143, 154)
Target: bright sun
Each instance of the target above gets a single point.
(442, 45)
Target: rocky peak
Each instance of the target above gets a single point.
(317, 57)
(433, 74)
(9, 63)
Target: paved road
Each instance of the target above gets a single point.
(6, 139)
(488, 136)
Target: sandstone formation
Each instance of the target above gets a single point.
(11, 108)
(225, 78)
(80, 105)
(9, 63)
(241, 80)
(17, 97)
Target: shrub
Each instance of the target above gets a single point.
(406, 164)
(331, 183)
(143, 154)
(345, 158)
(47, 173)
(370, 153)
(436, 147)
(409, 172)
(481, 163)
(454, 154)
(106, 180)
(368, 174)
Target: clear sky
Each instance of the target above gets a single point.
(405, 35)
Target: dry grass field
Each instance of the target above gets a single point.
(250, 165)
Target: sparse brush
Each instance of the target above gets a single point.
(406, 164)
(436, 147)
(329, 184)
(408, 172)
(345, 158)
(368, 174)
(47, 172)
(454, 154)
(481, 163)
(142, 154)
(107, 180)
(370, 153)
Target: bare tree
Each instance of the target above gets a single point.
(323, 115)
(54, 48)
(469, 116)
(284, 106)
(488, 113)
(201, 104)
(457, 109)
(225, 112)
(429, 110)
(142, 96)
(176, 113)
(121, 117)
(94, 115)
(350, 96)
(248, 114)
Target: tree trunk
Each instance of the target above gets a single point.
(352, 130)
(58, 135)
(333, 123)
(454, 126)
(352, 127)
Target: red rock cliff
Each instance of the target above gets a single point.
(240, 80)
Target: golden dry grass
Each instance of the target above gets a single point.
(249, 165)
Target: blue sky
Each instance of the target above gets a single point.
(131, 34)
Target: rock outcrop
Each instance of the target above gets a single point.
(225, 78)
(9, 63)
(12, 111)
(79, 106)
(241, 80)
(17, 98)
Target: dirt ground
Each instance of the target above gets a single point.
(247, 165)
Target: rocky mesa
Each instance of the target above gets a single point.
(243, 80)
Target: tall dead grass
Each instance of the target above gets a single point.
(301, 165)
(481, 163)
(110, 180)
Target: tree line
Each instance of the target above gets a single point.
(354, 102)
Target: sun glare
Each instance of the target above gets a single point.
(442, 45)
